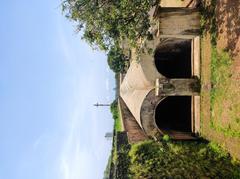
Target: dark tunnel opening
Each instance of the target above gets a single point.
(173, 60)
(174, 113)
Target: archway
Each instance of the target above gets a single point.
(173, 58)
(174, 114)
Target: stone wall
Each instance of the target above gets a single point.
(133, 130)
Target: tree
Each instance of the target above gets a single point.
(105, 22)
(114, 107)
(116, 59)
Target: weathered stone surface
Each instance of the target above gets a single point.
(180, 87)
(133, 130)
(178, 22)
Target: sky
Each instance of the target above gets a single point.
(49, 81)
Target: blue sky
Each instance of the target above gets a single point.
(49, 81)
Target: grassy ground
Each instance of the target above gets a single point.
(116, 116)
(220, 94)
(224, 108)
(118, 125)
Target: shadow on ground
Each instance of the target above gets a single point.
(221, 20)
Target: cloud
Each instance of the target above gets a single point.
(39, 141)
(107, 84)
(76, 158)
(108, 97)
(76, 165)
(71, 156)
(79, 156)
(107, 70)
(65, 168)
(68, 54)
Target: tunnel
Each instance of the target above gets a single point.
(173, 59)
(174, 114)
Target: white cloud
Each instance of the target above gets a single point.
(108, 97)
(107, 70)
(75, 157)
(39, 141)
(71, 157)
(68, 54)
(64, 168)
(107, 84)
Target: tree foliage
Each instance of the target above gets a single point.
(180, 160)
(105, 22)
(116, 59)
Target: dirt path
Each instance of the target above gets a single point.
(228, 39)
(178, 3)
(228, 22)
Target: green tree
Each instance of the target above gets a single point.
(116, 59)
(114, 109)
(105, 22)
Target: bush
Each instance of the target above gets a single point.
(180, 160)
(122, 158)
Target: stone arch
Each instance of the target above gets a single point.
(176, 129)
(173, 113)
(147, 115)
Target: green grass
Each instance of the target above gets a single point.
(223, 91)
(220, 73)
(117, 128)
(114, 157)
(222, 86)
(118, 125)
(116, 116)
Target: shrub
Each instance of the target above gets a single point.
(180, 160)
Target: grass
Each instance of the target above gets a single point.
(118, 124)
(223, 94)
(114, 157)
(116, 116)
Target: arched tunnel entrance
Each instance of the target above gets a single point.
(174, 114)
(173, 58)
